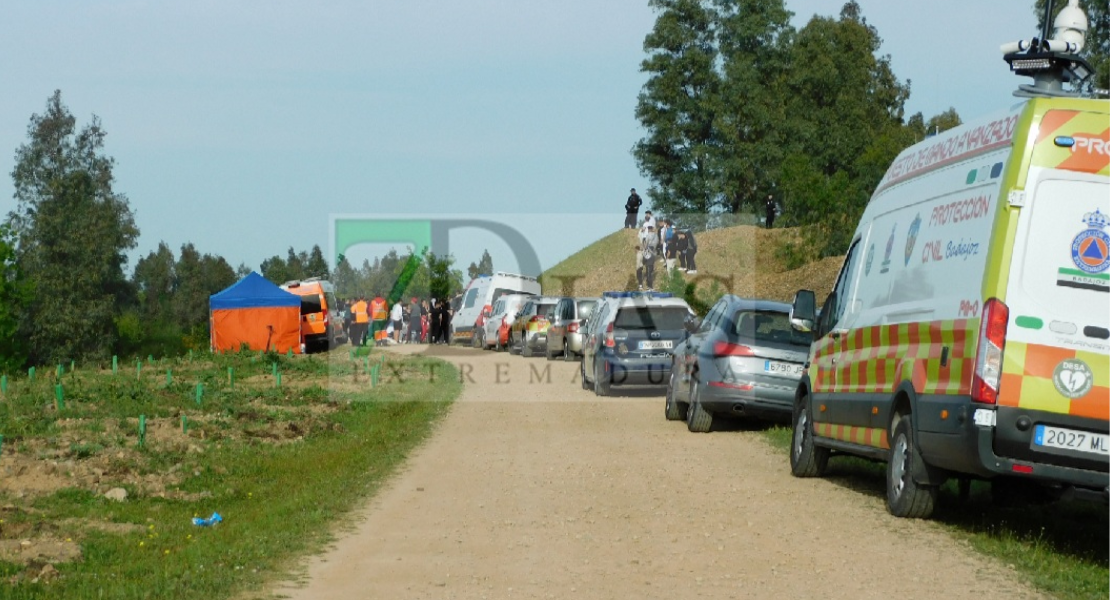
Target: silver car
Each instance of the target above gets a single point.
(568, 319)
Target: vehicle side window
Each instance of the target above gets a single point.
(471, 297)
(711, 319)
(843, 289)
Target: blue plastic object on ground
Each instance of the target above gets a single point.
(215, 518)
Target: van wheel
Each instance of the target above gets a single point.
(476, 340)
(674, 410)
(513, 349)
(806, 459)
(601, 386)
(582, 375)
(698, 420)
(904, 496)
(525, 348)
(568, 356)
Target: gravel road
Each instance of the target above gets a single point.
(536, 489)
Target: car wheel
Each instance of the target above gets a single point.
(674, 411)
(568, 356)
(698, 420)
(601, 387)
(582, 375)
(806, 459)
(904, 496)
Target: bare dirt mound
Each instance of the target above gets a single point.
(741, 260)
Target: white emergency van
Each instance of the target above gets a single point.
(478, 298)
(968, 333)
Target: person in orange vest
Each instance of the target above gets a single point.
(360, 322)
(379, 314)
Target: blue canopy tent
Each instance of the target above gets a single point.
(257, 313)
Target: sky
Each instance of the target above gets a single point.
(245, 127)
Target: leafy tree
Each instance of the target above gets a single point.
(72, 233)
(754, 38)
(484, 266)
(14, 296)
(345, 279)
(315, 265)
(1097, 49)
(676, 107)
(155, 279)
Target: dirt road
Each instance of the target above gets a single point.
(535, 489)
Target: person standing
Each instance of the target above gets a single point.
(667, 238)
(361, 320)
(379, 316)
(691, 253)
(414, 321)
(681, 243)
(769, 206)
(433, 322)
(397, 315)
(632, 210)
(645, 269)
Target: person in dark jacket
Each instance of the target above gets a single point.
(691, 252)
(681, 243)
(433, 322)
(414, 321)
(769, 218)
(632, 210)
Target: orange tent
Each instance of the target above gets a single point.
(257, 313)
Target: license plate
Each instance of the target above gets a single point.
(656, 344)
(772, 366)
(1069, 439)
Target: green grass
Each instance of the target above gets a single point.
(279, 500)
(1060, 547)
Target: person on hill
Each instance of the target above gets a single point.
(667, 238)
(645, 257)
(691, 253)
(769, 217)
(433, 322)
(397, 316)
(632, 210)
(649, 219)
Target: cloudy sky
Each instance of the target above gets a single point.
(244, 126)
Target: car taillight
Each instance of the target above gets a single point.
(729, 349)
(988, 353)
(572, 327)
(609, 341)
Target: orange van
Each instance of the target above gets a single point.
(321, 323)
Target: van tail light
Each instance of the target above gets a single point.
(729, 349)
(609, 341)
(988, 353)
(572, 327)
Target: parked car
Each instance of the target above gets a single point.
(631, 339)
(564, 336)
(528, 333)
(494, 332)
(743, 360)
(478, 298)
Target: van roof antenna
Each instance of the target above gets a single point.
(1052, 62)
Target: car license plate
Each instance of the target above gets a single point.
(772, 366)
(656, 344)
(1069, 439)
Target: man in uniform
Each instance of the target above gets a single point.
(632, 210)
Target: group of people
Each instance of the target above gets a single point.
(415, 322)
(661, 239)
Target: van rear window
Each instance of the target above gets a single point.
(311, 304)
(650, 317)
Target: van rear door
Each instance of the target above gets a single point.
(1054, 394)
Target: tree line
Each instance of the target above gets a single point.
(740, 106)
(64, 291)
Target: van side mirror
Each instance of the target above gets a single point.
(803, 311)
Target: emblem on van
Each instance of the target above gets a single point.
(655, 335)
(1090, 250)
(1073, 378)
(911, 237)
(889, 249)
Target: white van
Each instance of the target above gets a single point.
(968, 333)
(478, 298)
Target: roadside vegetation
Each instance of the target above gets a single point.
(1059, 547)
(281, 447)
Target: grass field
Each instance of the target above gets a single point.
(1060, 548)
(281, 464)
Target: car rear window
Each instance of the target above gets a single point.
(311, 304)
(650, 317)
(769, 326)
